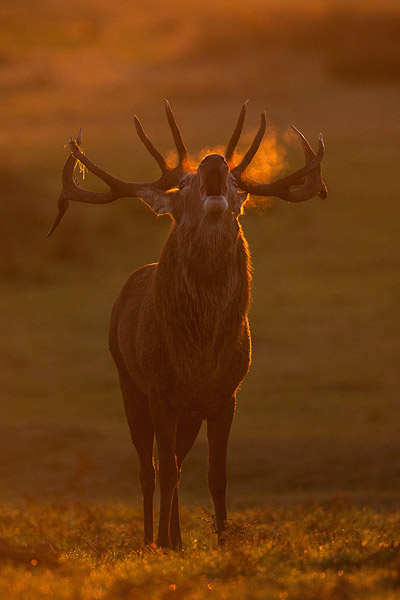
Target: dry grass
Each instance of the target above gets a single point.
(313, 552)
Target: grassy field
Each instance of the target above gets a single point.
(318, 414)
(332, 552)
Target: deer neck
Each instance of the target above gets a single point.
(203, 288)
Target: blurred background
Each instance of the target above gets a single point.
(318, 415)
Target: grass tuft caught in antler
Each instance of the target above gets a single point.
(82, 169)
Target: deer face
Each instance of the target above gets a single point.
(208, 195)
(212, 174)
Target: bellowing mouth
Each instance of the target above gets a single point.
(213, 183)
(213, 171)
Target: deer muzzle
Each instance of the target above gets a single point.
(213, 171)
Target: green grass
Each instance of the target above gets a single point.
(308, 552)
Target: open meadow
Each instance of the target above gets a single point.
(314, 453)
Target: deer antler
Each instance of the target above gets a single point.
(118, 189)
(233, 142)
(309, 175)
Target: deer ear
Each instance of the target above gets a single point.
(160, 202)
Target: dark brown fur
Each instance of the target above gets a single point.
(180, 339)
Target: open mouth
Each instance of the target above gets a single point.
(213, 185)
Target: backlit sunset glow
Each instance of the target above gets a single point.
(268, 164)
(313, 455)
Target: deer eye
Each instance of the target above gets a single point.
(182, 185)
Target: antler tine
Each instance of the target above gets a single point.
(63, 202)
(233, 142)
(313, 184)
(309, 176)
(153, 151)
(248, 157)
(71, 192)
(321, 147)
(176, 134)
(308, 151)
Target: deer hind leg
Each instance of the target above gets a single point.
(142, 435)
(218, 428)
(187, 431)
(165, 425)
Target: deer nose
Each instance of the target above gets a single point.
(213, 162)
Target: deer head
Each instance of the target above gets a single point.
(215, 192)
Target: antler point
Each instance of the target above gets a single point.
(138, 124)
(321, 147)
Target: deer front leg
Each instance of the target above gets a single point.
(165, 420)
(187, 430)
(142, 435)
(218, 428)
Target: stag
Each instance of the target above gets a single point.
(179, 331)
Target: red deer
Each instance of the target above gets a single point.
(179, 331)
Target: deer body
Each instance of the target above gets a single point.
(194, 323)
(179, 331)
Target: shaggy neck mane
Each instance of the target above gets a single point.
(203, 292)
